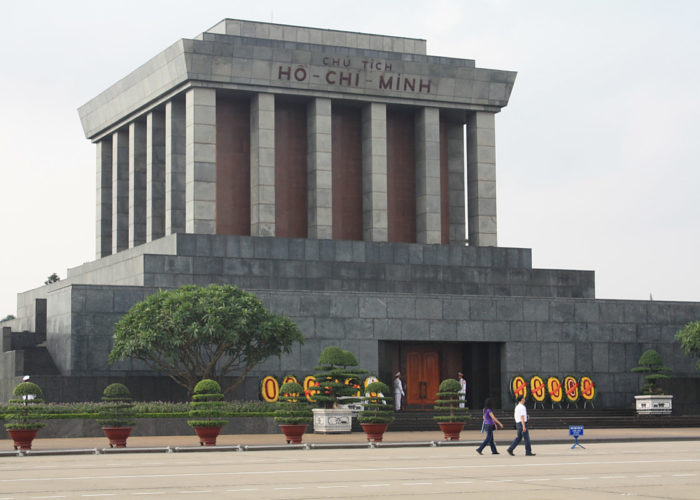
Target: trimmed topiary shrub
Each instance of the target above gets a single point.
(336, 378)
(447, 403)
(292, 408)
(207, 408)
(377, 408)
(117, 409)
(650, 362)
(24, 410)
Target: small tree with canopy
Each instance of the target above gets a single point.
(650, 362)
(336, 378)
(196, 333)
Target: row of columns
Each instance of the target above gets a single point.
(158, 175)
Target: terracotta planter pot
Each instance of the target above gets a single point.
(207, 435)
(293, 432)
(117, 436)
(451, 430)
(22, 438)
(374, 432)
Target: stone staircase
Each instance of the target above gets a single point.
(549, 419)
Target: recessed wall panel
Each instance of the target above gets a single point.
(290, 170)
(347, 172)
(444, 186)
(401, 175)
(232, 166)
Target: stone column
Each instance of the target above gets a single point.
(175, 177)
(155, 175)
(137, 183)
(428, 227)
(320, 191)
(455, 182)
(104, 198)
(375, 221)
(120, 191)
(200, 161)
(481, 178)
(262, 165)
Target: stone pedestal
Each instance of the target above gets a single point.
(332, 421)
(649, 404)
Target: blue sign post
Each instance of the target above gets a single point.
(576, 431)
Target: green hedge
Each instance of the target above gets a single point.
(149, 409)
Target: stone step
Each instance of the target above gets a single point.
(551, 419)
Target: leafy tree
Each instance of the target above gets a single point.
(196, 333)
(7, 318)
(689, 337)
(52, 279)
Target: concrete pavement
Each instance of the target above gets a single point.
(604, 471)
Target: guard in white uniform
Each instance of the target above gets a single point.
(462, 389)
(398, 391)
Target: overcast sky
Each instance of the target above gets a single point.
(597, 152)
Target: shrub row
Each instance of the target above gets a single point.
(149, 409)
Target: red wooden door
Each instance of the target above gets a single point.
(422, 377)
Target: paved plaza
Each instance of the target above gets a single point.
(644, 469)
(644, 463)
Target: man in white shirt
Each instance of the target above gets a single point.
(520, 416)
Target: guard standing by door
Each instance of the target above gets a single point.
(398, 391)
(462, 389)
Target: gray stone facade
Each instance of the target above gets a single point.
(359, 294)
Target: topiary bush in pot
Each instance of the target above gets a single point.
(451, 418)
(336, 378)
(337, 385)
(293, 412)
(377, 412)
(116, 415)
(650, 362)
(23, 414)
(206, 415)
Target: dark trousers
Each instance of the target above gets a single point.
(489, 439)
(521, 435)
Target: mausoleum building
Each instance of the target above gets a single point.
(348, 180)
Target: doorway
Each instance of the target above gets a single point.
(422, 376)
(423, 365)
